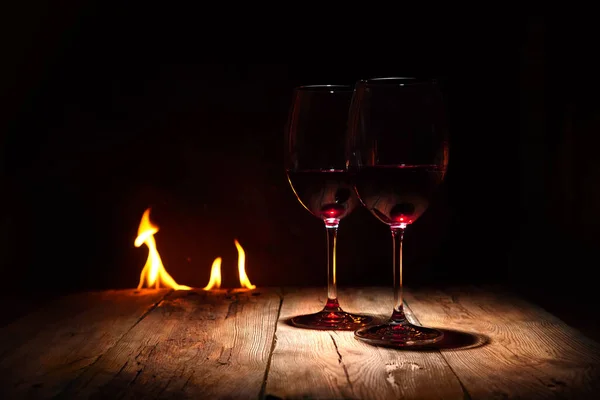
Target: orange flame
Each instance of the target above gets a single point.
(154, 271)
(244, 281)
(215, 275)
(215, 272)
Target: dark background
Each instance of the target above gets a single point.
(102, 118)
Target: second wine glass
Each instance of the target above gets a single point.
(398, 148)
(315, 167)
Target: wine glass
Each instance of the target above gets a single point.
(315, 167)
(398, 150)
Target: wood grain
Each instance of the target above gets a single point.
(238, 344)
(305, 363)
(531, 354)
(395, 373)
(336, 365)
(195, 344)
(42, 352)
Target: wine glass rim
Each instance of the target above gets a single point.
(324, 88)
(396, 81)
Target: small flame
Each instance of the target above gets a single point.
(215, 275)
(244, 281)
(215, 271)
(154, 271)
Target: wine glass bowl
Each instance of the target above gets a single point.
(397, 151)
(316, 171)
(392, 203)
(326, 194)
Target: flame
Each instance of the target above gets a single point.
(215, 272)
(215, 275)
(154, 271)
(244, 281)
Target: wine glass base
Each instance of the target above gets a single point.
(394, 334)
(331, 320)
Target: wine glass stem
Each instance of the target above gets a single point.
(332, 301)
(398, 313)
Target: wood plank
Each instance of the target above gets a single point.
(409, 374)
(315, 364)
(304, 363)
(41, 352)
(194, 344)
(199, 344)
(21, 305)
(531, 354)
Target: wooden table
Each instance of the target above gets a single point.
(236, 344)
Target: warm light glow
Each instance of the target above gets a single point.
(154, 272)
(244, 281)
(215, 275)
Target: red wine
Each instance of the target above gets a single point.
(398, 194)
(327, 194)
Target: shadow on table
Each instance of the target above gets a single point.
(452, 340)
(458, 340)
